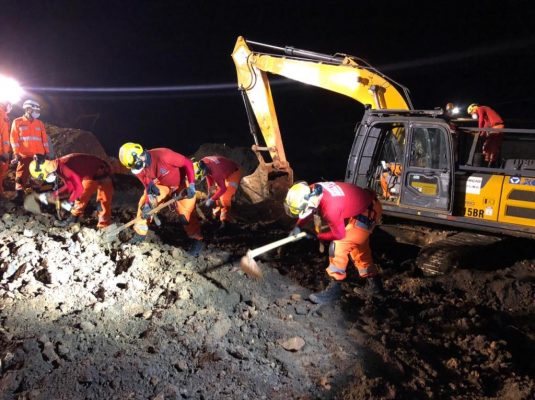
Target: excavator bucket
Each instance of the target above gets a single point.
(261, 194)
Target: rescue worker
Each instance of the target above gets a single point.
(488, 118)
(5, 147)
(28, 138)
(163, 173)
(82, 176)
(225, 174)
(351, 214)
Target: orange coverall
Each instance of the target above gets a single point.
(488, 118)
(167, 170)
(226, 175)
(342, 201)
(28, 138)
(5, 148)
(83, 175)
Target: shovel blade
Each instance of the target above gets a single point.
(250, 267)
(31, 204)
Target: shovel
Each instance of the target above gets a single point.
(31, 204)
(110, 232)
(249, 265)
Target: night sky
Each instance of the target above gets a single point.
(443, 51)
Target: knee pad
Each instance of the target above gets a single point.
(332, 247)
(182, 219)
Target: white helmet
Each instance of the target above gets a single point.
(31, 104)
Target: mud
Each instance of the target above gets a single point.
(83, 320)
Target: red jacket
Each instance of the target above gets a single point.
(220, 168)
(5, 146)
(168, 168)
(487, 117)
(76, 167)
(339, 201)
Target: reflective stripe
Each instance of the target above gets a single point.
(5, 142)
(142, 227)
(15, 145)
(335, 269)
(234, 184)
(37, 128)
(30, 138)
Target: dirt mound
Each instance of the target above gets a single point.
(79, 319)
(69, 140)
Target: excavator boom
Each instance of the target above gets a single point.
(338, 73)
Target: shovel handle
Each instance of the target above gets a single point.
(270, 246)
(155, 210)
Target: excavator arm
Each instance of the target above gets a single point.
(338, 73)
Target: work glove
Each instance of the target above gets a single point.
(15, 160)
(152, 189)
(145, 209)
(66, 205)
(209, 203)
(191, 191)
(296, 230)
(43, 198)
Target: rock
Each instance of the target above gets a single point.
(29, 233)
(63, 350)
(86, 326)
(49, 353)
(181, 366)
(296, 297)
(293, 344)
(220, 328)
(239, 352)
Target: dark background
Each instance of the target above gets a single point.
(442, 51)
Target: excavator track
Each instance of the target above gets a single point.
(452, 252)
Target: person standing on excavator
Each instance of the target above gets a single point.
(488, 118)
(28, 138)
(163, 173)
(351, 213)
(225, 174)
(5, 146)
(82, 176)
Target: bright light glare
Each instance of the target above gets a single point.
(10, 90)
(455, 110)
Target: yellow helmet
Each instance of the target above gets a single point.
(129, 154)
(200, 169)
(296, 201)
(472, 108)
(43, 170)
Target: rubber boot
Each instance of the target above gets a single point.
(71, 220)
(372, 287)
(19, 198)
(196, 248)
(136, 239)
(331, 293)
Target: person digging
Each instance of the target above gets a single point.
(351, 213)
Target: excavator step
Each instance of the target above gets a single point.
(441, 256)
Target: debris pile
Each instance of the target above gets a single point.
(82, 320)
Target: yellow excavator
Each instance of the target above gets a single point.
(424, 165)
